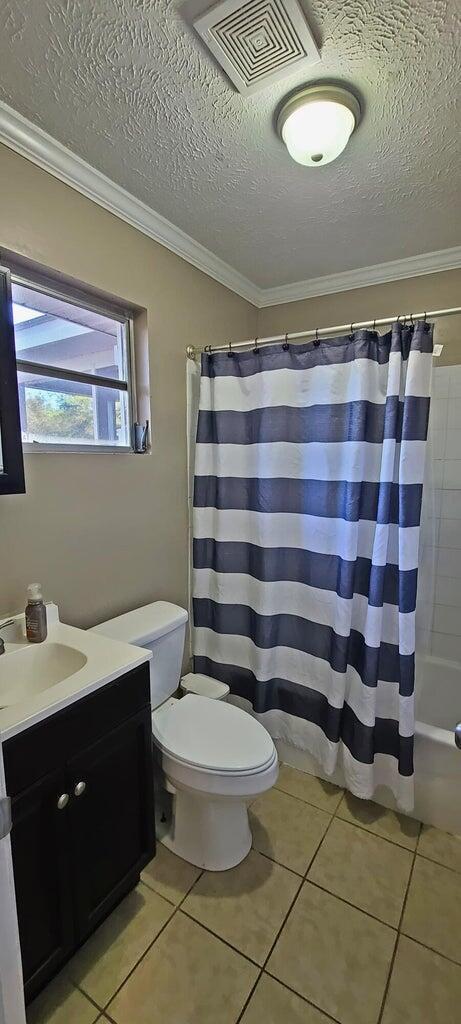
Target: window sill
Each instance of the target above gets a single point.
(36, 448)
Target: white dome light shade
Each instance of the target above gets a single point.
(317, 123)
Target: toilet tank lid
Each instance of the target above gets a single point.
(142, 625)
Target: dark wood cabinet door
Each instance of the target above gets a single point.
(111, 817)
(43, 897)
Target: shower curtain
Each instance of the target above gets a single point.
(309, 465)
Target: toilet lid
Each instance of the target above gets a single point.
(213, 735)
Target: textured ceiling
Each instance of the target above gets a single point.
(128, 85)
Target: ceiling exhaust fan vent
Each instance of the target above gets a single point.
(258, 42)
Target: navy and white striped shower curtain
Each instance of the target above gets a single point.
(309, 467)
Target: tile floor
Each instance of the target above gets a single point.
(343, 911)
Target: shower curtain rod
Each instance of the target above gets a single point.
(193, 352)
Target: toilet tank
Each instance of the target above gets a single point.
(160, 627)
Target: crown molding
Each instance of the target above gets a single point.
(363, 277)
(20, 134)
(25, 138)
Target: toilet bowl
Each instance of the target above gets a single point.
(215, 757)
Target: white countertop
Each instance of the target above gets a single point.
(105, 660)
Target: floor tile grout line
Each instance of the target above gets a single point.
(330, 823)
(105, 1015)
(354, 906)
(388, 978)
(149, 947)
(226, 942)
(299, 874)
(399, 927)
(299, 800)
(278, 862)
(176, 907)
(194, 883)
(83, 993)
(157, 893)
(309, 1002)
(430, 949)
(302, 800)
(285, 919)
(352, 821)
(375, 835)
(290, 908)
(167, 898)
(370, 832)
(438, 863)
(293, 902)
(249, 996)
(397, 940)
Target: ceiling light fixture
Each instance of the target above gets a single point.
(317, 122)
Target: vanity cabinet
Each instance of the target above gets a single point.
(81, 785)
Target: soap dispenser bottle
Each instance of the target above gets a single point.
(36, 628)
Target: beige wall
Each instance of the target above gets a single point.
(434, 291)
(104, 533)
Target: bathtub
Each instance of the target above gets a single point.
(437, 758)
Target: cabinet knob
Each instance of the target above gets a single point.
(80, 788)
(63, 800)
(458, 735)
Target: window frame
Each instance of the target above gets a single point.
(12, 479)
(126, 319)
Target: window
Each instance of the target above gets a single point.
(73, 365)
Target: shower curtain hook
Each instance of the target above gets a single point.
(352, 332)
(316, 339)
(285, 345)
(374, 326)
(256, 349)
(230, 352)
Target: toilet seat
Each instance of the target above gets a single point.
(212, 737)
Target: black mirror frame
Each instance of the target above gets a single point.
(12, 475)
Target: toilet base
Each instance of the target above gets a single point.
(213, 834)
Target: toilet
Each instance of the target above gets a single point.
(216, 758)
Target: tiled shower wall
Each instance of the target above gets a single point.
(446, 441)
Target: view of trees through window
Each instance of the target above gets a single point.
(61, 415)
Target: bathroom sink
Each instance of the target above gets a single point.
(29, 669)
(37, 680)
